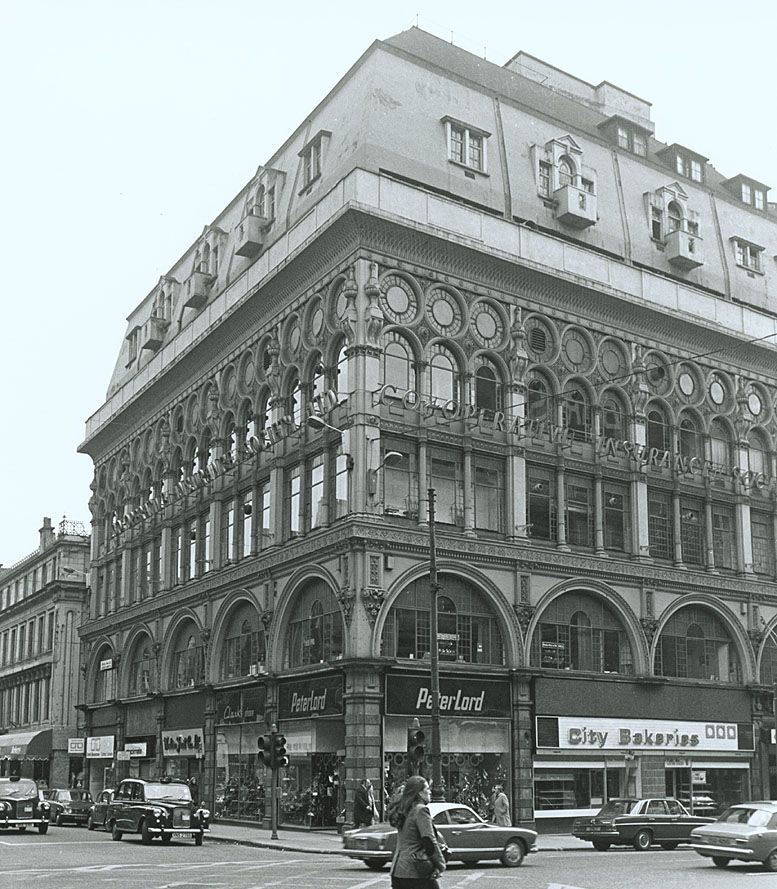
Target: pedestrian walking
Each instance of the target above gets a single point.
(501, 807)
(418, 860)
(364, 808)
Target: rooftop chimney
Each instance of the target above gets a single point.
(47, 536)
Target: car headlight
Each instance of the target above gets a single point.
(4, 807)
(158, 813)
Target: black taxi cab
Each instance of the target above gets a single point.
(21, 806)
(162, 808)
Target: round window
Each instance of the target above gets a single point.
(687, 384)
(754, 404)
(717, 392)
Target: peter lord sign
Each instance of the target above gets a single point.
(412, 696)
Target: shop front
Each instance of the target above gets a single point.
(183, 740)
(242, 782)
(101, 766)
(475, 730)
(141, 724)
(310, 715)
(585, 759)
(26, 755)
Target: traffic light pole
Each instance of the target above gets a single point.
(434, 654)
(272, 751)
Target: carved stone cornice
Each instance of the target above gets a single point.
(372, 600)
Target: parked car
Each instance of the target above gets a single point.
(162, 809)
(639, 823)
(99, 810)
(745, 832)
(68, 806)
(468, 837)
(703, 804)
(21, 805)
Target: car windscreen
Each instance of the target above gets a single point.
(619, 807)
(17, 789)
(745, 815)
(170, 792)
(77, 796)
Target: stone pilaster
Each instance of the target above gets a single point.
(522, 796)
(363, 731)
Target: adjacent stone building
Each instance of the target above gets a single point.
(43, 598)
(493, 282)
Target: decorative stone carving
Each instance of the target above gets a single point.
(524, 611)
(525, 587)
(756, 635)
(374, 313)
(372, 599)
(348, 322)
(346, 597)
(649, 627)
(374, 570)
(517, 357)
(266, 619)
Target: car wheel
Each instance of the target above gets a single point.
(669, 846)
(512, 854)
(145, 833)
(375, 865)
(198, 839)
(166, 837)
(770, 862)
(22, 828)
(115, 832)
(720, 861)
(90, 823)
(601, 845)
(643, 839)
(58, 819)
(44, 827)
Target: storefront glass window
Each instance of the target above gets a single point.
(578, 631)
(578, 788)
(468, 631)
(316, 627)
(241, 778)
(695, 644)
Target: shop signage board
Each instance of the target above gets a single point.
(75, 746)
(182, 742)
(136, 749)
(100, 747)
(241, 705)
(122, 756)
(412, 696)
(642, 735)
(317, 696)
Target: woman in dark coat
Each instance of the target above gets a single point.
(418, 860)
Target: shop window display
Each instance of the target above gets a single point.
(242, 782)
(559, 789)
(312, 792)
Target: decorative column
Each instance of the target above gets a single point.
(709, 530)
(515, 414)
(561, 506)
(677, 526)
(640, 394)
(469, 492)
(744, 536)
(522, 796)
(363, 733)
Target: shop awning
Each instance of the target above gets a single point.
(26, 745)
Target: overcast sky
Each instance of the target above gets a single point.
(127, 126)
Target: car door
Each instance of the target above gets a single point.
(120, 805)
(137, 807)
(680, 822)
(657, 818)
(469, 835)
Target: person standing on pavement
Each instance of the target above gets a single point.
(501, 807)
(364, 808)
(418, 860)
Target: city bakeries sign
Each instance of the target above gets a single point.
(639, 735)
(412, 696)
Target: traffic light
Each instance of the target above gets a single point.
(415, 745)
(266, 750)
(280, 755)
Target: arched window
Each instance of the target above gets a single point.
(342, 381)
(488, 387)
(758, 454)
(318, 380)
(141, 669)
(244, 645)
(294, 401)
(566, 172)
(690, 440)
(538, 396)
(398, 364)
(105, 678)
(578, 631)
(231, 441)
(658, 432)
(467, 628)
(695, 644)
(188, 663)
(675, 214)
(720, 444)
(316, 632)
(205, 263)
(577, 414)
(443, 376)
(769, 659)
(613, 418)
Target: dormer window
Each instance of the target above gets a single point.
(756, 197)
(675, 227)
(683, 161)
(544, 178)
(690, 168)
(467, 145)
(132, 345)
(749, 191)
(632, 140)
(312, 156)
(565, 182)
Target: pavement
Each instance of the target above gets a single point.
(326, 842)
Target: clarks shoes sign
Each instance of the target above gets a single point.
(412, 696)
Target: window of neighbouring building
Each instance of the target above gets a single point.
(747, 255)
(541, 484)
(466, 145)
(616, 517)
(488, 477)
(762, 535)
(579, 502)
(723, 541)
(692, 534)
(445, 474)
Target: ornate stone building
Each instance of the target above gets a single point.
(496, 283)
(43, 598)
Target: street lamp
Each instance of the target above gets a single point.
(434, 587)
(372, 474)
(318, 423)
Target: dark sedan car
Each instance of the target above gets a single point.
(745, 832)
(639, 823)
(468, 837)
(163, 809)
(99, 810)
(21, 805)
(69, 806)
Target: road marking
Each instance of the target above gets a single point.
(470, 878)
(562, 886)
